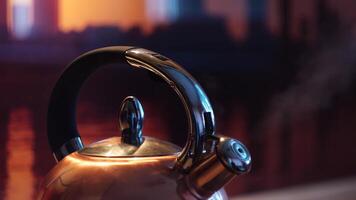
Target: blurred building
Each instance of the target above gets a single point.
(21, 20)
(45, 18)
(3, 19)
(188, 9)
(161, 11)
(257, 17)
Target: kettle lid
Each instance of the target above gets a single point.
(131, 143)
(115, 147)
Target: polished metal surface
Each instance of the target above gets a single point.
(201, 122)
(131, 121)
(79, 177)
(137, 167)
(194, 99)
(114, 147)
(207, 177)
(67, 148)
(230, 159)
(234, 155)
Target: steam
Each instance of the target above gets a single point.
(328, 74)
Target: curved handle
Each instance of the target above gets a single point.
(61, 124)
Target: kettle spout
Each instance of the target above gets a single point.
(231, 158)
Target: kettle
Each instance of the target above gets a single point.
(135, 166)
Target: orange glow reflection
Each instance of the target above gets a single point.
(20, 160)
(108, 162)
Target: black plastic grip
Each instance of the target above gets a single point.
(61, 116)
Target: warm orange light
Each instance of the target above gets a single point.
(78, 14)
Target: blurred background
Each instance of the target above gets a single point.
(279, 73)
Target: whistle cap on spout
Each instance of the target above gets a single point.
(234, 155)
(231, 159)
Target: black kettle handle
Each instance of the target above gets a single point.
(61, 119)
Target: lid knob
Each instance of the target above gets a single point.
(131, 121)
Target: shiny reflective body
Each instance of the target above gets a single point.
(86, 177)
(196, 103)
(114, 147)
(134, 166)
(231, 158)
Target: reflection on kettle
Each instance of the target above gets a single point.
(135, 166)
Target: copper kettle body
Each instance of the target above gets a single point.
(135, 166)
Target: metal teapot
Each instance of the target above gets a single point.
(134, 166)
